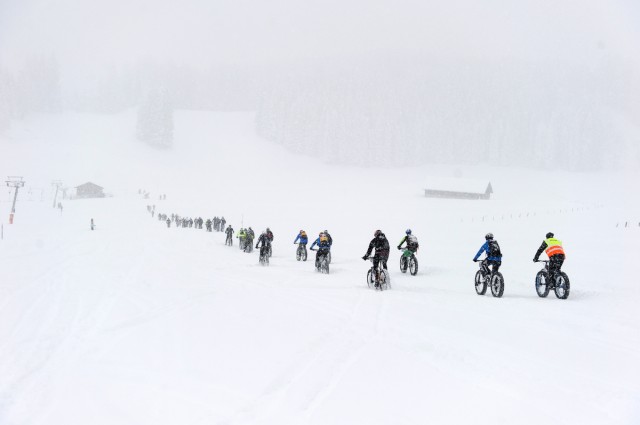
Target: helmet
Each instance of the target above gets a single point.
(301, 231)
(488, 236)
(408, 231)
(377, 233)
(549, 235)
(268, 230)
(321, 233)
(326, 231)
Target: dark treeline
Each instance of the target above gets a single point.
(532, 114)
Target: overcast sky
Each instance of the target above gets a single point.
(89, 33)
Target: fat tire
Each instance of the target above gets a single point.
(413, 265)
(403, 264)
(480, 283)
(384, 284)
(370, 279)
(497, 285)
(542, 292)
(562, 292)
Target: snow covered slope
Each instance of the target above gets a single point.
(135, 323)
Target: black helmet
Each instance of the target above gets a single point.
(377, 233)
(549, 235)
(488, 236)
(408, 231)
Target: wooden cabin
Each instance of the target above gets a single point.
(89, 190)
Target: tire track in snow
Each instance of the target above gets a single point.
(303, 387)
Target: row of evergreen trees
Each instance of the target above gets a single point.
(528, 114)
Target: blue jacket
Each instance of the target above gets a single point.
(323, 246)
(485, 248)
(303, 239)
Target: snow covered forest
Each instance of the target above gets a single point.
(379, 111)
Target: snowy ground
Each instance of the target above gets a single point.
(135, 323)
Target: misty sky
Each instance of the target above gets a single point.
(88, 34)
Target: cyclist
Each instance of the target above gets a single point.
(555, 252)
(266, 243)
(411, 240)
(381, 244)
(242, 234)
(323, 247)
(229, 233)
(248, 239)
(492, 249)
(302, 237)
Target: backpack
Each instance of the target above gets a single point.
(412, 242)
(494, 249)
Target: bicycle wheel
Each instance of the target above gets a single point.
(562, 286)
(329, 257)
(385, 283)
(299, 253)
(542, 288)
(403, 264)
(304, 254)
(497, 285)
(371, 279)
(325, 266)
(481, 285)
(413, 265)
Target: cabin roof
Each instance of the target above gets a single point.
(458, 185)
(88, 185)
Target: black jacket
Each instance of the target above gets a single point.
(381, 244)
(264, 238)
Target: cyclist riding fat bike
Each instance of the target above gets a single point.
(555, 252)
(381, 244)
(323, 247)
(411, 240)
(302, 237)
(265, 241)
(492, 249)
(229, 233)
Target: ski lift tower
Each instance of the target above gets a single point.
(16, 182)
(57, 184)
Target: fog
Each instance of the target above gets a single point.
(457, 81)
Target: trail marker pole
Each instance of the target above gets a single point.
(57, 184)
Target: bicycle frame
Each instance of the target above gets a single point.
(375, 270)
